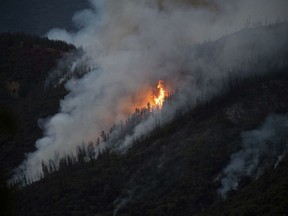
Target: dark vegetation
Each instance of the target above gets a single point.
(172, 171)
(24, 64)
(266, 196)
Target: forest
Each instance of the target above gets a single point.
(174, 170)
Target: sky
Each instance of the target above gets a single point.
(38, 16)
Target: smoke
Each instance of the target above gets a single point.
(134, 44)
(262, 148)
(120, 203)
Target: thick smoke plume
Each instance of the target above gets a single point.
(262, 148)
(134, 44)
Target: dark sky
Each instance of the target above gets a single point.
(38, 16)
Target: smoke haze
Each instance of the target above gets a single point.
(135, 44)
(262, 148)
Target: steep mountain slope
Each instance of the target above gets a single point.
(177, 169)
(25, 62)
(174, 171)
(266, 196)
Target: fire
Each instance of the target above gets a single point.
(159, 100)
(152, 98)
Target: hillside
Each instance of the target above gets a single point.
(176, 169)
(172, 171)
(25, 62)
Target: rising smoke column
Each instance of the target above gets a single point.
(261, 148)
(135, 44)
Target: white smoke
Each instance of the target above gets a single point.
(261, 148)
(136, 43)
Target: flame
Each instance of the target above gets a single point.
(149, 98)
(158, 101)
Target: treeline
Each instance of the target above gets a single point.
(68, 69)
(8, 39)
(182, 166)
(250, 70)
(177, 171)
(26, 60)
(89, 152)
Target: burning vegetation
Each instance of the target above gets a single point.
(159, 100)
(154, 98)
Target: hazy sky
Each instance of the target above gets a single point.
(38, 16)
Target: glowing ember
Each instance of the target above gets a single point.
(159, 100)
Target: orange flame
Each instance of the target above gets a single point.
(151, 98)
(161, 97)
